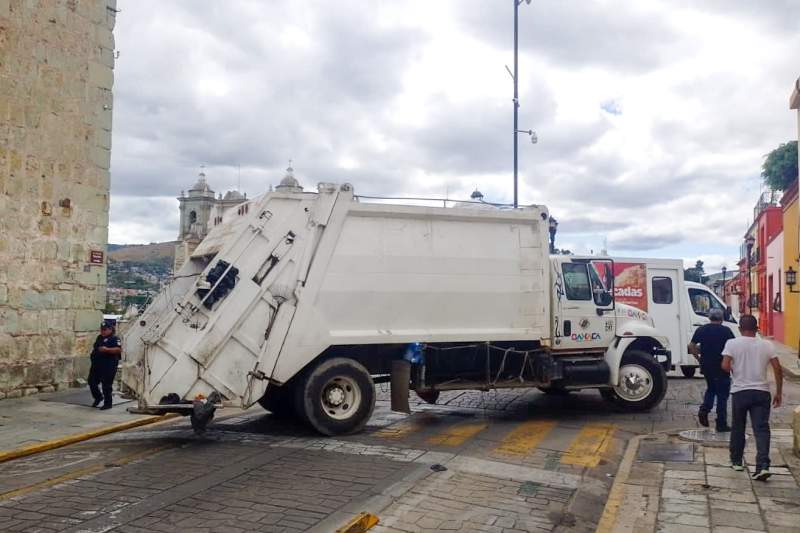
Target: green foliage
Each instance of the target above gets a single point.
(780, 167)
(696, 273)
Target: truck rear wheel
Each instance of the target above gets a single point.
(688, 371)
(279, 401)
(337, 397)
(642, 382)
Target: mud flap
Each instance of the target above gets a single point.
(401, 377)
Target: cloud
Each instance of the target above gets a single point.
(652, 118)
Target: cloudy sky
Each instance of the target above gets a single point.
(653, 117)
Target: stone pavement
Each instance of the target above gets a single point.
(43, 417)
(789, 360)
(684, 487)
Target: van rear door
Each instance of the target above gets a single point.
(663, 305)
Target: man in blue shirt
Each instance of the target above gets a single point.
(106, 354)
(711, 339)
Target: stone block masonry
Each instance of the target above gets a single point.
(56, 77)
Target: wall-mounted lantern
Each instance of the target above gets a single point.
(791, 279)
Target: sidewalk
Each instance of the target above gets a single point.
(789, 360)
(671, 485)
(45, 417)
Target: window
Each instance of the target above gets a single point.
(576, 281)
(662, 290)
(192, 217)
(702, 302)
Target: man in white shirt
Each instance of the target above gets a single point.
(747, 359)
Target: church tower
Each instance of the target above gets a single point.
(196, 210)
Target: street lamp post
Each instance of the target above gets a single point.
(724, 271)
(516, 96)
(749, 241)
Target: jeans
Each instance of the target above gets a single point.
(756, 403)
(102, 373)
(718, 387)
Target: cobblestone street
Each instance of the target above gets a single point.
(513, 461)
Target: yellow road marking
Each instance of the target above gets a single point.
(81, 472)
(589, 446)
(458, 434)
(80, 437)
(525, 437)
(405, 427)
(360, 523)
(608, 520)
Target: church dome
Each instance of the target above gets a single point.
(233, 195)
(289, 183)
(201, 186)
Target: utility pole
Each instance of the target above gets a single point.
(516, 95)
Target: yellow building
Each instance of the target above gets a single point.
(791, 240)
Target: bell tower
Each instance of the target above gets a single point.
(195, 209)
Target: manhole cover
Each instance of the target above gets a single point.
(707, 437)
(666, 452)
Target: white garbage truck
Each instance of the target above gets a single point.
(302, 301)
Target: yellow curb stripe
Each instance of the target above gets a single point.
(407, 426)
(80, 472)
(525, 437)
(607, 523)
(79, 437)
(457, 435)
(589, 446)
(360, 523)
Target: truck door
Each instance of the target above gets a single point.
(580, 293)
(664, 306)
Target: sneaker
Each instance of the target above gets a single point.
(702, 416)
(762, 475)
(96, 402)
(738, 467)
(106, 406)
(725, 428)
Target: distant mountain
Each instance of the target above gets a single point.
(155, 252)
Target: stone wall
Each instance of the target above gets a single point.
(56, 75)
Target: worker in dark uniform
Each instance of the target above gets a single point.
(711, 339)
(105, 357)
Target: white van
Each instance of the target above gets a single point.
(677, 307)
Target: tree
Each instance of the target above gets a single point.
(696, 273)
(780, 167)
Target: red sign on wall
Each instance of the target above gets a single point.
(630, 284)
(96, 257)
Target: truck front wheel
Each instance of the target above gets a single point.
(642, 382)
(337, 397)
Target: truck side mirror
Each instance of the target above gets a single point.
(729, 315)
(604, 299)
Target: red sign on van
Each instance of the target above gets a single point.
(630, 284)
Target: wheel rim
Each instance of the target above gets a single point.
(341, 397)
(635, 383)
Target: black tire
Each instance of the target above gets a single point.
(429, 396)
(555, 391)
(643, 371)
(337, 397)
(279, 401)
(688, 371)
